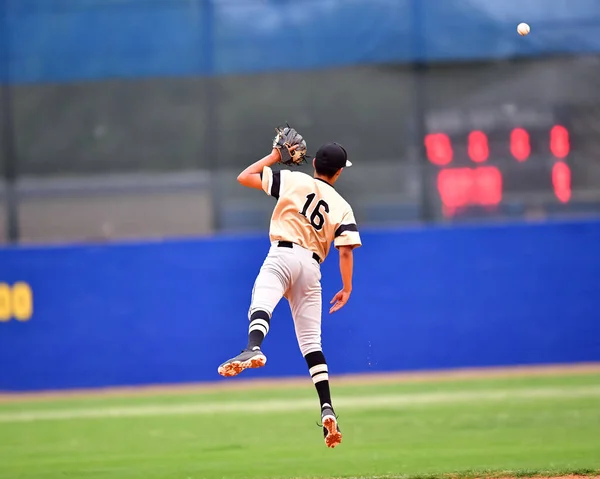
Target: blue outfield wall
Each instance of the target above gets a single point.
(74, 40)
(423, 299)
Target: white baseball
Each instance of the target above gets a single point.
(523, 29)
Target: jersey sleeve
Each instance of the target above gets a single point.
(347, 233)
(272, 181)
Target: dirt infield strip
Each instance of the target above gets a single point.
(537, 477)
(370, 378)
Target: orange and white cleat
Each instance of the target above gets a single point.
(331, 429)
(247, 359)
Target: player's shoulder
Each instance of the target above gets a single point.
(335, 198)
(298, 174)
(340, 198)
(296, 177)
(346, 205)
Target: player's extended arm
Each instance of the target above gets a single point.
(346, 267)
(250, 177)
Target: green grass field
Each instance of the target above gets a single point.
(516, 425)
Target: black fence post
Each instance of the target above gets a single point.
(419, 69)
(8, 132)
(211, 90)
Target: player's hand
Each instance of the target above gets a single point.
(276, 153)
(339, 300)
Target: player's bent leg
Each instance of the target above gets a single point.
(269, 287)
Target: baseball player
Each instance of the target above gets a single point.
(309, 215)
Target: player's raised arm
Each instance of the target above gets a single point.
(289, 148)
(251, 176)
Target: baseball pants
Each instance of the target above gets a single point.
(292, 273)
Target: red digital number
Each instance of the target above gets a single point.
(560, 145)
(520, 146)
(459, 187)
(439, 149)
(479, 149)
(561, 181)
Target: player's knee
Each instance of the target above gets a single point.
(310, 347)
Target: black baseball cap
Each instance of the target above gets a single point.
(332, 155)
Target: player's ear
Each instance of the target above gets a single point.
(314, 163)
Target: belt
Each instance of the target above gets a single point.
(289, 244)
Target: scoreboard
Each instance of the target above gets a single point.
(479, 157)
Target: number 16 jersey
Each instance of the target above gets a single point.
(309, 212)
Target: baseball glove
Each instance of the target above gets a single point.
(284, 141)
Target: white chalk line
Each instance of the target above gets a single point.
(388, 401)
